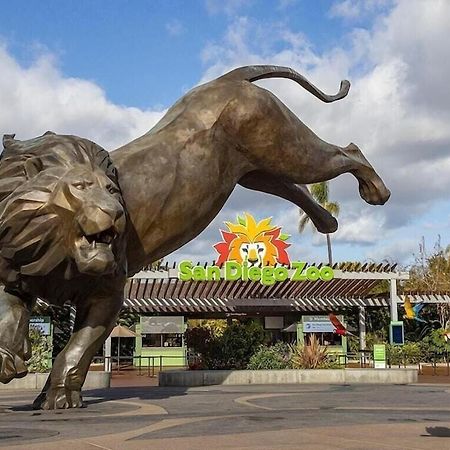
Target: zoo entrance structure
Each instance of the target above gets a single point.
(159, 292)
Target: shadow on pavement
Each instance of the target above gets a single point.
(437, 432)
(119, 393)
(137, 392)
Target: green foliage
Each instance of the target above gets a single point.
(231, 349)
(411, 352)
(408, 354)
(271, 357)
(320, 193)
(431, 274)
(311, 356)
(375, 337)
(128, 318)
(216, 326)
(235, 347)
(41, 351)
(394, 354)
(199, 339)
(353, 344)
(434, 343)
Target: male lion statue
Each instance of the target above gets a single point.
(75, 221)
(62, 224)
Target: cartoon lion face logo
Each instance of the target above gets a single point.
(256, 243)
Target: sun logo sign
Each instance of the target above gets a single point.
(253, 251)
(255, 243)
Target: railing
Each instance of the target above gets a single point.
(153, 363)
(435, 360)
(362, 358)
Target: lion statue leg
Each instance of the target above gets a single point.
(94, 321)
(275, 141)
(15, 348)
(295, 193)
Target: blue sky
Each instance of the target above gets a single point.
(149, 52)
(109, 70)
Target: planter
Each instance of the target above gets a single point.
(94, 380)
(289, 376)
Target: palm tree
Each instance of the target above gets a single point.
(320, 193)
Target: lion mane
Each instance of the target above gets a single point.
(247, 230)
(32, 238)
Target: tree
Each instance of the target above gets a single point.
(431, 275)
(320, 193)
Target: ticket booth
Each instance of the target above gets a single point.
(160, 341)
(323, 329)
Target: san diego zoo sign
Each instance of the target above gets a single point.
(253, 251)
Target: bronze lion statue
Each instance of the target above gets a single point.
(76, 221)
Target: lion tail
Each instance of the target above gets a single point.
(254, 73)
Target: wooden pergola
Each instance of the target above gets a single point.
(160, 291)
(155, 291)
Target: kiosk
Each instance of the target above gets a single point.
(160, 342)
(323, 329)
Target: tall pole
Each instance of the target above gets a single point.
(393, 300)
(330, 255)
(118, 355)
(107, 355)
(72, 317)
(362, 328)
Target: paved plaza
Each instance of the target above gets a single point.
(250, 417)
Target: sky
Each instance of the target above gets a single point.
(108, 71)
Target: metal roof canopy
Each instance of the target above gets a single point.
(160, 291)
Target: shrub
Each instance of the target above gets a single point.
(271, 357)
(198, 339)
(375, 337)
(433, 346)
(412, 353)
(41, 351)
(409, 353)
(311, 356)
(394, 354)
(235, 347)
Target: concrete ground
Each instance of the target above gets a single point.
(224, 417)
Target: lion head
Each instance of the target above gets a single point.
(60, 206)
(255, 243)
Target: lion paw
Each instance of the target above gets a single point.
(373, 191)
(58, 398)
(11, 366)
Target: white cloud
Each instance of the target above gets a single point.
(228, 7)
(397, 110)
(286, 4)
(361, 229)
(400, 251)
(175, 28)
(353, 9)
(39, 97)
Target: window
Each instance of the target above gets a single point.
(326, 338)
(162, 340)
(172, 340)
(151, 340)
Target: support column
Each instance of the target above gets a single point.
(362, 328)
(72, 317)
(107, 355)
(393, 300)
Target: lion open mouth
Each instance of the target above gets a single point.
(105, 237)
(94, 252)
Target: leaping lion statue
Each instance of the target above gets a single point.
(76, 221)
